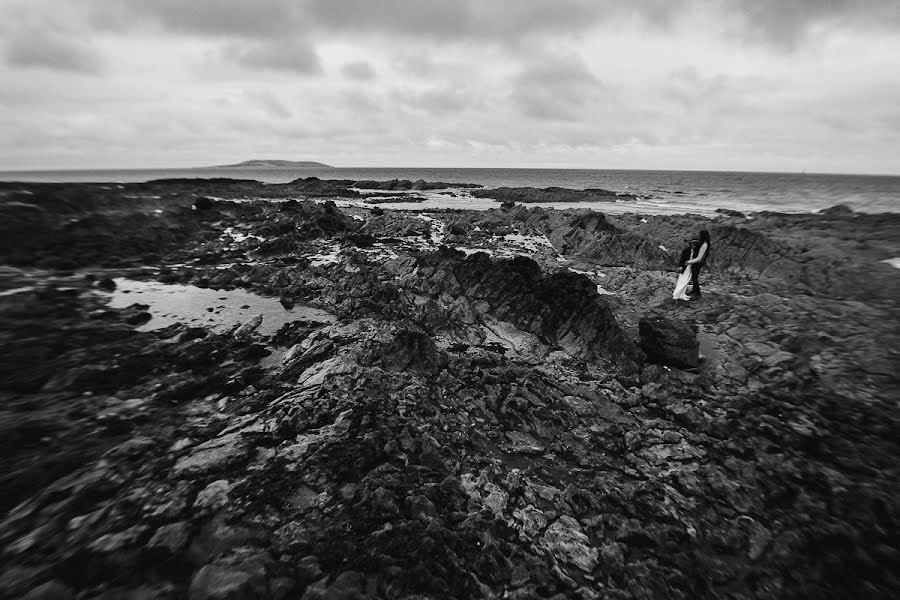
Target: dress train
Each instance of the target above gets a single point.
(684, 279)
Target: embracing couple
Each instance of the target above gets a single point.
(691, 263)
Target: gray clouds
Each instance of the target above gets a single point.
(290, 55)
(358, 70)
(423, 81)
(53, 51)
(555, 88)
(766, 20)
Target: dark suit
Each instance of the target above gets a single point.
(695, 272)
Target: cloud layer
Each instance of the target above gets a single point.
(718, 84)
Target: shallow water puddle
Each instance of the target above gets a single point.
(219, 310)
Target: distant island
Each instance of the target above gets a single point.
(274, 164)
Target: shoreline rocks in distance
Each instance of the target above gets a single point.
(551, 194)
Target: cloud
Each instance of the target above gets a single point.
(54, 52)
(287, 55)
(786, 23)
(528, 80)
(418, 17)
(258, 19)
(437, 101)
(270, 103)
(555, 89)
(358, 71)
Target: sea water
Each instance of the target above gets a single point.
(660, 192)
(219, 310)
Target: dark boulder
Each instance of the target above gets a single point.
(669, 342)
(413, 349)
(107, 284)
(204, 203)
(838, 210)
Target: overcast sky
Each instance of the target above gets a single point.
(776, 85)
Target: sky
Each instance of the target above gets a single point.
(761, 85)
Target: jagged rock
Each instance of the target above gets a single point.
(611, 555)
(114, 542)
(495, 499)
(421, 508)
(838, 210)
(523, 443)
(349, 585)
(214, 455)
(533, 521)
(412, 350)
(204, 203)
(214, 582)
(219, 537)
(52, 590)
(486, 408)
(246, 330)
(669, 342)
(214, 496)
(107, 284)
(139, 318)
(171, 538)
(568, 543)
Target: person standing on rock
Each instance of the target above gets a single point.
(697, 261)
(685, 277)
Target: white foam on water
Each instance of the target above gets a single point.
(17, 290)
(470, 251)
(894, 262)
(238, 236)
(528, 242)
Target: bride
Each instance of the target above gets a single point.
(684, 279)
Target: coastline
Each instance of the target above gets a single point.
(477, 380)
(670, 192)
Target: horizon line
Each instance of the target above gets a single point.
(481, 168)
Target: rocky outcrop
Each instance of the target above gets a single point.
(488, 403)
(669, 342)
(406, 184)
(550, 194)
(314, 186)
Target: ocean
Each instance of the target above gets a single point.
(662, 192)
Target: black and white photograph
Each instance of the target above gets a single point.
(449, 299)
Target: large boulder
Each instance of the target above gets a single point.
(669, 342)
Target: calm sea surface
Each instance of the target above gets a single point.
(662, 191)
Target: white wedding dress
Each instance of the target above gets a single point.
(684, 279)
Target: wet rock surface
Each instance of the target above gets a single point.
(507, 403)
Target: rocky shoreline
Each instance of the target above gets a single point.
(490, 404)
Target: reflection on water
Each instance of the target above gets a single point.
(219, 310)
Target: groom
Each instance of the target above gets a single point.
(687, 254)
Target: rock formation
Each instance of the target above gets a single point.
(503, 403)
